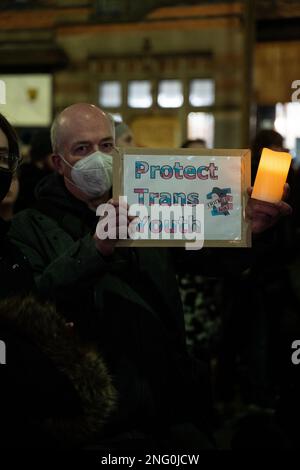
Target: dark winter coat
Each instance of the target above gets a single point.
(15, 271)
(128, 303)
(55, 391)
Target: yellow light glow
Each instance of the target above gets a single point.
(271, 175)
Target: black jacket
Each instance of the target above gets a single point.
(129, 304)
(54, 391)
(15, 271)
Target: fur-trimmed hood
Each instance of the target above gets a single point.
(41, 325)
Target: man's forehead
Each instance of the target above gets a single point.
(86, 141)
(89, 136)
(87, 122)
(89, 133)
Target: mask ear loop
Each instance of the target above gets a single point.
(65, 161)
(70, 166)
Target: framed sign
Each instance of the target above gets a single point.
(213, 179)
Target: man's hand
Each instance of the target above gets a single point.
(263, 215)
(117, 222)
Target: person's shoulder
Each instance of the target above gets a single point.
(30, 220)
(29, 214)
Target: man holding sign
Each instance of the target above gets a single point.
(126, 300)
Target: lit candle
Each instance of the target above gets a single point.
(271, 175)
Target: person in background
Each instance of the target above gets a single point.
(257, 340)
(124, 135)
(15, 273)
(196, 144)
(32, 173)
(55, 392)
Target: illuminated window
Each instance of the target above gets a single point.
(140, 94)
(170, 94)
(202, 92)
(201, 126)
(110, 94)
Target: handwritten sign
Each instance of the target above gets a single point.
(215, 179)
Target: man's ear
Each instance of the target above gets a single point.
(57, 163)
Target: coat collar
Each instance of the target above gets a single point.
(52, 191)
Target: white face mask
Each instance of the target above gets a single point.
(92, 174)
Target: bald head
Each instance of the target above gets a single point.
(77, 132)
(77, 117)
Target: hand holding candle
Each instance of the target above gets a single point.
(271, 176)
(266, 207)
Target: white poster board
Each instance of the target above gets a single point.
(217, 179)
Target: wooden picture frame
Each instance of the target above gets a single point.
(240, 159)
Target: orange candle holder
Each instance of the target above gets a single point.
(271, 175)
